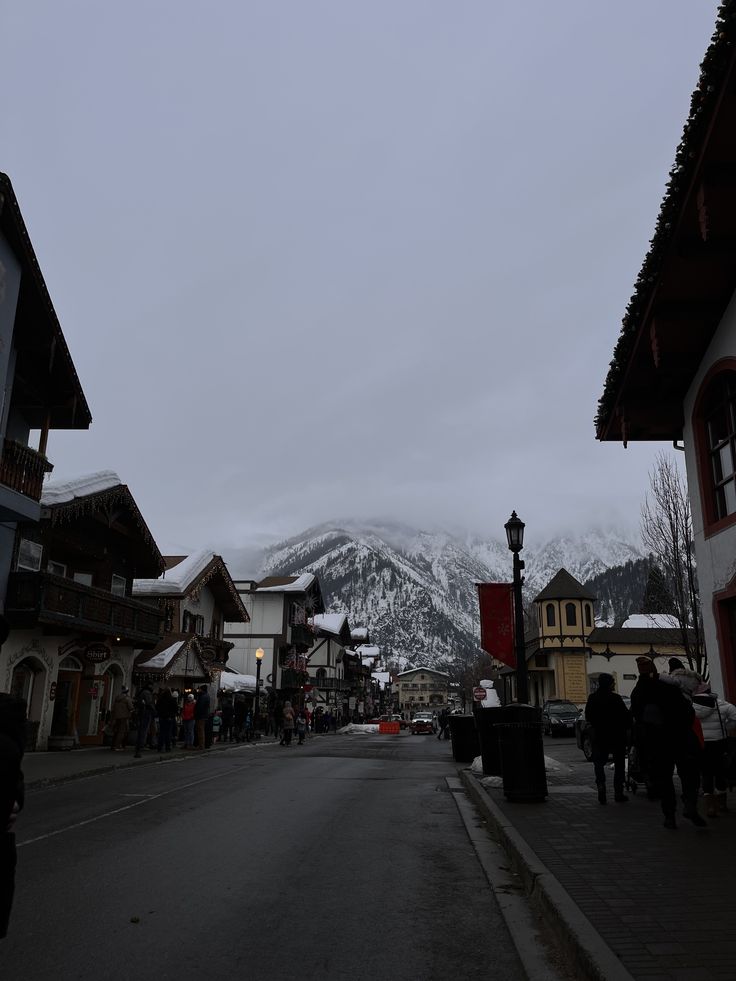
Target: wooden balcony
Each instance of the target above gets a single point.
(39, 597)
(23, 469)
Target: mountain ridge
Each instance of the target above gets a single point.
(415, 589)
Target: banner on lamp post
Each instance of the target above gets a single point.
(497, 620)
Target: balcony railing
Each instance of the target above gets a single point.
(43, 598)
(23, 469)
(330, 684)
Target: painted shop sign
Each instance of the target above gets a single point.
(97, 653)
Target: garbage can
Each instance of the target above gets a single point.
(486, 721)
(464, 738)
(522, 756)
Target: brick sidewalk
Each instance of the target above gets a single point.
(662, 900)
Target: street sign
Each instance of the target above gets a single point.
(479, 694)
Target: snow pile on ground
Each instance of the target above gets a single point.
(358, 728)
(476, 766)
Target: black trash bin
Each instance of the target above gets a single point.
(464, 738)
(486, 721)
(522, 756)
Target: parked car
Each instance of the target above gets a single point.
(583, 731)
(422, 722)
(559, 717)
(403, 724)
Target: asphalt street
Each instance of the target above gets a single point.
(343, 858)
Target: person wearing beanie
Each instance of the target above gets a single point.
(610, 719)
(665, 739)
(675, 664)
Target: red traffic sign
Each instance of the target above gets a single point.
(479, 694)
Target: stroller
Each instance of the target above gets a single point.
(636, 774)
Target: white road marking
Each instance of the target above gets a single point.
(118, 810)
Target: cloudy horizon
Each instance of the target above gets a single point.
(333, 259)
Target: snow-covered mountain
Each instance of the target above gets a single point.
(415, 589)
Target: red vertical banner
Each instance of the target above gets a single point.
(497, 620)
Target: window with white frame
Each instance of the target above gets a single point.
(117, 587)
(56, 568)
(29, 555)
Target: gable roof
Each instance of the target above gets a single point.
(65, 500)
(688, 275)
(306, 583)
(176, 654)
(564, 586)
(429, 670)
(42, 351)
(190, 574)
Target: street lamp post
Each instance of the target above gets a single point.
(515, 538)
(259, 657)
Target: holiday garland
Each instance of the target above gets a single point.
(713, 69)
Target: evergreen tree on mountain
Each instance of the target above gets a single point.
(657, 597)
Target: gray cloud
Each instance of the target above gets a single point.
(334, 259)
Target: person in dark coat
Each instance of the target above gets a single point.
(12, 744)
(166, 708)
(201, 716)
(610, 719)
(664, 735)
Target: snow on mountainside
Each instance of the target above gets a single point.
(415, 590)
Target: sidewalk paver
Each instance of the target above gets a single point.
(661, 900)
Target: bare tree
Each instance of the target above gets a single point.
(667, 532)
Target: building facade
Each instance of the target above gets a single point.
(673, 373)
(75, 624)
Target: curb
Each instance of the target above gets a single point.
(588, 952)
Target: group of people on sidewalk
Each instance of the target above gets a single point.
(157, 717)
(161, 715)
(675, 722)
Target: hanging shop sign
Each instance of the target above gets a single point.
(52, 691)
(97, 653)
(496, 621)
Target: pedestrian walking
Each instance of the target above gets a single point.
(201, 715)
(716, 717)
(248, 726)
(166, 708)
(187, 721)
(443, 722)
(12, 745)
(611, 722)
(122, 712)
(664, 735)
(288, 718)
(146, 716)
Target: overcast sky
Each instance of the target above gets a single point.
(318, 259)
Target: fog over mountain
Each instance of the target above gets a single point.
(415, 589)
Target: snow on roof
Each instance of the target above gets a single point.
(300, 584)
(238, 682)
(413, 670)
(331, 622)
(163, 659)
(382, 677)
(177, 579)
(359, 633)
(63, 491)
(657, 620)
(368, 650)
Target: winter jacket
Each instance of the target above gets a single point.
(607, 713)
(166, 706)
(716, 716)
(288, 718)
(187, 711)
(122, 707)
(202, 711)
(662, 712)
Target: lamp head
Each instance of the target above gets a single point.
(259, 654)
(515, 532)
